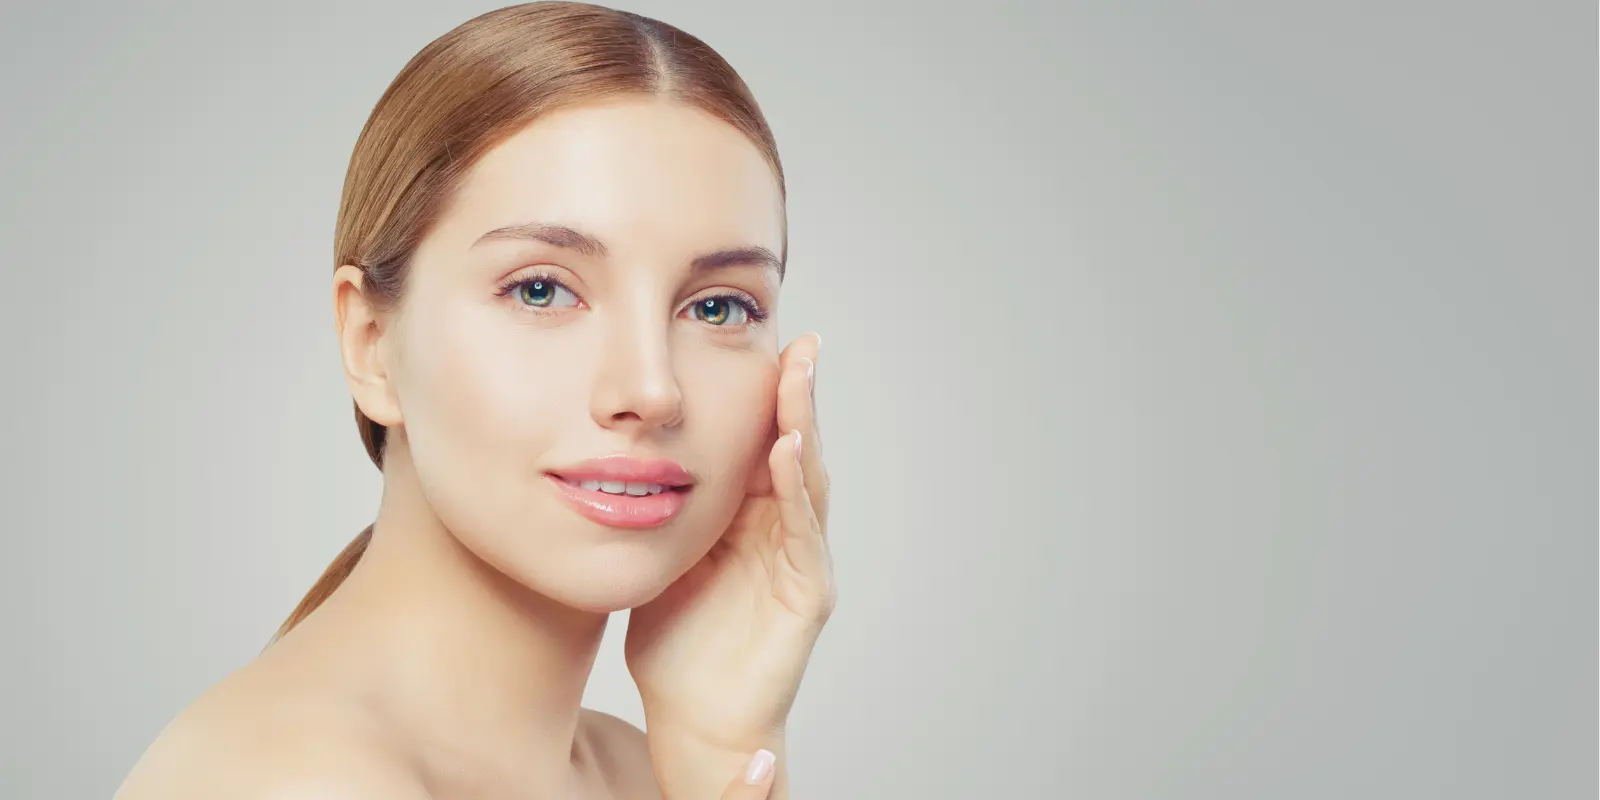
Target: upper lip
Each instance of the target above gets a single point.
(627, 469)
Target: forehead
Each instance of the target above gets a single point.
(646, 176)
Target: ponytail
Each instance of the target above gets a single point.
(371, 436)
(330, 580)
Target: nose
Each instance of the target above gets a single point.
(634, 384)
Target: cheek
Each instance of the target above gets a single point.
(479, 402)
(734, 404)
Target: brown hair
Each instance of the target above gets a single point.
(467, 91)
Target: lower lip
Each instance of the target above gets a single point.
(622, 510)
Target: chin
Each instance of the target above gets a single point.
(608, 599)
(605, 580)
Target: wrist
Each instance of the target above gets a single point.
(691, 767)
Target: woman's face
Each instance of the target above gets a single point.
(585, 358)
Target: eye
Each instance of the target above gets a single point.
(720, 311)
(543, 293)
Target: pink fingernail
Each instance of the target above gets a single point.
(797, 444)
(811, 374)
(760, 767)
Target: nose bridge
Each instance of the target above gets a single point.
(635, 380)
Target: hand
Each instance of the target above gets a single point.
(718, 657)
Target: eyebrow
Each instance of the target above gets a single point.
(584, 244)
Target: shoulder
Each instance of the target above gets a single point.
(254, 745)
(620, 751)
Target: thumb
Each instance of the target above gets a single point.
(756, 782)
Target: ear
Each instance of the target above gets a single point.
(364, 347)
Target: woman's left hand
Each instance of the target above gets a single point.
(718, 657)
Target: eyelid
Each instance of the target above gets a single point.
(736, 294)
(527, 272)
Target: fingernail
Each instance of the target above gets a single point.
(811, 373)
(797, 444)
(760, 767)
(819, 341)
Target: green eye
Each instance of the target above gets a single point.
(538, 293)
(544, 293)
(719, 310)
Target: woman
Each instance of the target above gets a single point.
(558, 253)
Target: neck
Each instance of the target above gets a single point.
(472, 668)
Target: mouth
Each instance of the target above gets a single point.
(624, 493)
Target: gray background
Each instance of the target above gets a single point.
(1210, 388)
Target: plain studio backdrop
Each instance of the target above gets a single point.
(1210, 388)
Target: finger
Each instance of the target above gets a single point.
(802, 539)
(759, 480)
(756, 782)
(797, 411)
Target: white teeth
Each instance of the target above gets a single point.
(619, 487)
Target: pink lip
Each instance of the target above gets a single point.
(623, 468)
(622, 510)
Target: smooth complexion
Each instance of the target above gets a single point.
(601, 294)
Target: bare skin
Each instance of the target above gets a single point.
(452, 662)
(313, 717)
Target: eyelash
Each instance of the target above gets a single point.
(752, 308)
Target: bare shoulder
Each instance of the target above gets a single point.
(619, 750)
(247, 738)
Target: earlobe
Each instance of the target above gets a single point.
(362, 339)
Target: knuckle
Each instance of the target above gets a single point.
(827, 603)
